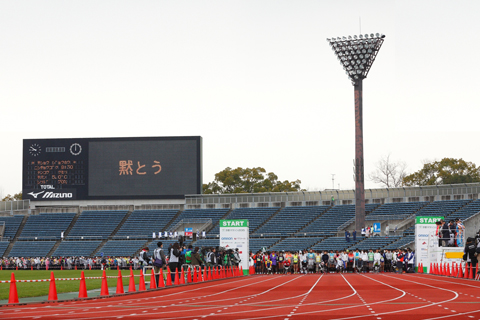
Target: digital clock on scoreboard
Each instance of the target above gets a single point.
(111, 168)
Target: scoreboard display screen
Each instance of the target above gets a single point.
(111, 168)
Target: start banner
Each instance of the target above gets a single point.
(234, 234)
(426, 242)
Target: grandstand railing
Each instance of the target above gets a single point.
(10, 206)
(381, 195)
(472, 216)
(204, 223)
(406, 221)
(346, 224)
(38, 238)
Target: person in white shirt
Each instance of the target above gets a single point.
(365, 260)
(344, 257)
(340, 266)
(377, 257)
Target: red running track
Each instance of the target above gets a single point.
(331, 296)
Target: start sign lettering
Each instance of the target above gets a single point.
(234, 223)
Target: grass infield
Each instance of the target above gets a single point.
(34, 289)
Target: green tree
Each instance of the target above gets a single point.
(445, 171)
(248, 180)
(15, 197)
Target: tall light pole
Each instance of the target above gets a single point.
(356, 54)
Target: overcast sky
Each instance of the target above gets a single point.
(256, 79)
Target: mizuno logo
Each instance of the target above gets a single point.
(50, 195)
(58, 195)
(33, 194)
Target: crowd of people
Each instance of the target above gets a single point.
(69, 263)
(450, 234)
(339, 261)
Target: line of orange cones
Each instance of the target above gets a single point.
(208, 274)
(445, 270)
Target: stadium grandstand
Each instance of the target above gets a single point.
(277, 221)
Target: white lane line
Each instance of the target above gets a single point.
(176, 311)
(305, 297)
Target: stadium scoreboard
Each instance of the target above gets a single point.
(111, 168)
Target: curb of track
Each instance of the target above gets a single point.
(115, 294)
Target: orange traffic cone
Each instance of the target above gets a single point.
(104, 288)
(152, 280)
(161, 283)
(131, 284)
(205, 276)
(119, 283)
(141, 285)
(241, 270)
(13, 295)
(52, 292)
(195, 275)
(448, 270)
(189, 275)
(460, 273)
(169, 277)
(465, 275)
(82, 292)
(176, 281)
(470, 275)
(210, 274)
(182, 277)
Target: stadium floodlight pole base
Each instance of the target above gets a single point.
(359, 168)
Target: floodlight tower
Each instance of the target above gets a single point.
(356, 54)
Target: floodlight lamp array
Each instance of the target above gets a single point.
(357, 53)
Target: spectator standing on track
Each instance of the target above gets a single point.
(295, 262)
(173, 260)
(274, 259)
(196, 260)
(258, 262)
(452, 228)
(445, 231)
(281, 260)
(351, 261)
(460, 229)
(158, 255)
(377, 257)
(236, 258)
(188, 254)
(469, 256)
(400, 258)
(143, 259)
(388, 260)
(371, 259)
(409, 261)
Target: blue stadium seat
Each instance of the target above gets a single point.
(96, 224)
(31, 248)
(11, 226)
(46, 225)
